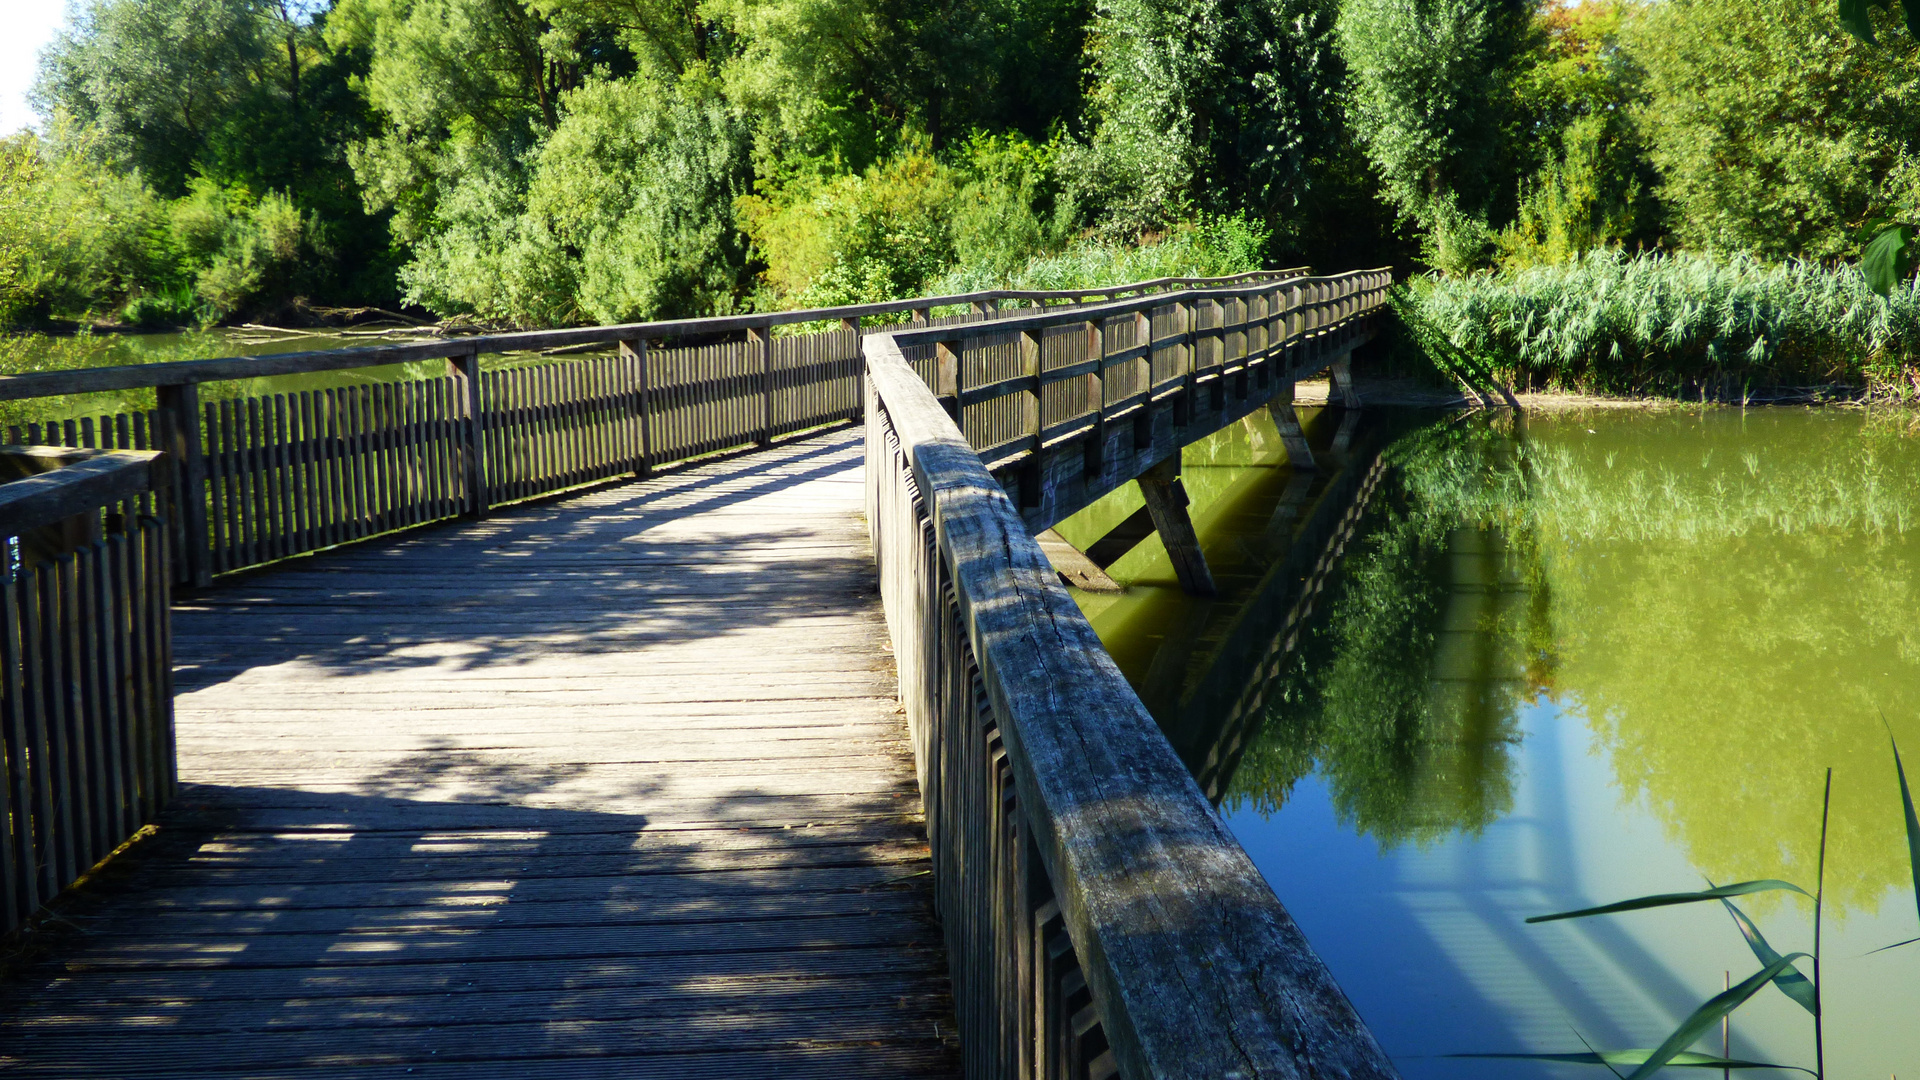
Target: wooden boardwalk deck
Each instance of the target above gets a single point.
(611, 785)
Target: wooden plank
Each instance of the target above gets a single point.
(48, 811)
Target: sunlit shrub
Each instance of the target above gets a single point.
(1212, 247)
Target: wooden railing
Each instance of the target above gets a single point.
(270, 476)
(86, 691)
(1099, 918)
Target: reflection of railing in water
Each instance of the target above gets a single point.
(1100, 919)
(1210, 718)
(86, 690)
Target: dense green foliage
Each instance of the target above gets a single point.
(1825, 128)
(537, 162)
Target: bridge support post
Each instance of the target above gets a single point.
(1280, 406)
(1167, 503)
(1342, 377)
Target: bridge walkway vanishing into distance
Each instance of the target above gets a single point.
(640, 777)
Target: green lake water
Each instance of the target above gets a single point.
(1562, 661)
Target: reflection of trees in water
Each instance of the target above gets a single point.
(1732, 603)
(1405, 693)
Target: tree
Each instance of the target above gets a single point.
(1432, 103)
(1589, 183)
(155, 78)
(1775, 132)
(627, 214)
(1205, 106)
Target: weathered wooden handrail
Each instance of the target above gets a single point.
(86, 694)
(1041, 406)
(186, 372)
(1100, 919)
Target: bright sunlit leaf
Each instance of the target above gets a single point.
(1686, 1059)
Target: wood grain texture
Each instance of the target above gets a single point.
(609, 785)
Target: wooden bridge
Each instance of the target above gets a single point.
(789, 759)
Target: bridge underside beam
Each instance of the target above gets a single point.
(1070, 474)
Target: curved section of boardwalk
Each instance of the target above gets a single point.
(615, 785)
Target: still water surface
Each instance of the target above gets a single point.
(1561, 662)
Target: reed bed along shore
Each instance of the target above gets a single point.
(1688, 326)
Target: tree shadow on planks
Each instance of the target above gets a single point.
(277, 932)
(615, 569)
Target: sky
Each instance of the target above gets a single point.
(26, 26)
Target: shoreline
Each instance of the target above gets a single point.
(1412, 393)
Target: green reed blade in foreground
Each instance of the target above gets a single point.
(1665, 899)
(1709, 1014)
(1686, 1059)
(1791, 982)
(1913, 823)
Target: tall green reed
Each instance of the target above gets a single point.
(1668, 324)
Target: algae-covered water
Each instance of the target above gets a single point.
(1560, 661)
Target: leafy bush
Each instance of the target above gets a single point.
(889, 232)
(71, 230)
(624, 213)
(1651, 323)
(1212, 247)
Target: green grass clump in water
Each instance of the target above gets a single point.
(1612, 322)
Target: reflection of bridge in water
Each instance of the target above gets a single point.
(615, 782)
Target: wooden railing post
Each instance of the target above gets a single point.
(634, 351)
(1096, 350)
(465, 368)
(1183, 363)
(947, 377)
(759, 348)
(1032, 420)
(181, 406)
